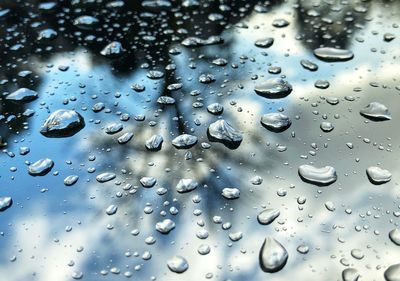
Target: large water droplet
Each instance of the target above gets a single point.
(86, 22)
(350, 274)
(215, 108)
(112, 50)
(222, 131)
(394, 236)
(22, 95)
(148, 181)
(154, 143)
(184, 141)
(273, 256)
(264, 43)
(186, 185)
(178, 264)
(105, 177)
(165, 226)
(393, 273)
(71, 180)
(274, 88)
(319, 176)
(111, 210)
(377, 175)
(62, 123)
(276, 122)
(126, 137)
(268, 216)
(376, 111)
(5, 203)
(41, 167)
(333, 55)
(231, 193)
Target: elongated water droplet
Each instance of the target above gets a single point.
(105, 177)
(22, 95)
(274, 88)
(268, 216)
(319, 176)
(111, 210)
(41, 167)
(332, 54)
(71, 180)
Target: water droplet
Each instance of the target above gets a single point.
(154, 143)
(256, 180)
(309, 65)
(125, 138)
(231, 193)
(326, 126)
(166, 100)
(392, 273)
(378, 175)
(186, 185)
(105, 177)
(85, 22)
(357, 254)
(268, 216)
(273, 256)
(276, 122)
(215, 108)
(114, 128)
(333, 55)
(394, 236)
(22, 95)
(302, 249)
(148, 181)
(350, 274)
(77, 275)
(264, 43)
(319, 176)
(41, 167)
(62, 123)
(178, 264)
(274, 88)
(192, 42)
(112, 50)
(165, 226)
(204, 249)
(71, 180)
(280, 23)
(222, 131)
(111, 210)
(330, 206)
(184, 141)
(376, 112)
(5, 203)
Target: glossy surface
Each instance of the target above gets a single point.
(149, 78)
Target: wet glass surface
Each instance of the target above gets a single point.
(203, 140)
